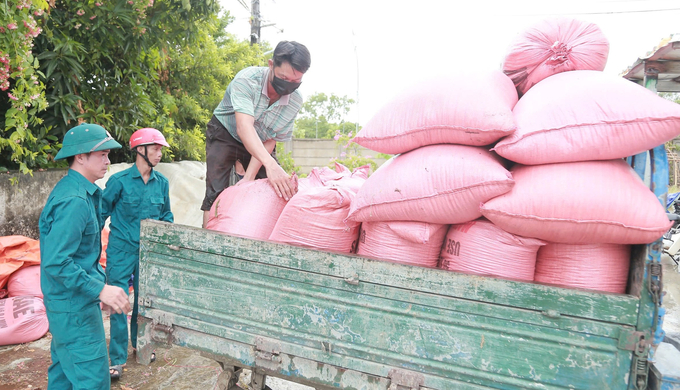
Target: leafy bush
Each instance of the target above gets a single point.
(124, 64)
(354, 161)
(286, 159)
(351, 156)
(24, 143)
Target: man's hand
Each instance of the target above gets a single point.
(115, 298)
(280, 180)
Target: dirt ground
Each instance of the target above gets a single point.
(24, 366)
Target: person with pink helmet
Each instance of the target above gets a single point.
(130, 196)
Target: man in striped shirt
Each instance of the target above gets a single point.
(258, 109)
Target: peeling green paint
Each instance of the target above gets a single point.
(344, 321)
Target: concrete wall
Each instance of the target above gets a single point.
(309, 153)
(21, 203)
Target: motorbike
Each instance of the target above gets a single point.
(671, 239)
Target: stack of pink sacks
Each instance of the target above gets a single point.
(444, 169)
(568, 209)
(314, 217)
(22, 314)
(572, 188)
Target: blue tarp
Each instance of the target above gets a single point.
(672, 198)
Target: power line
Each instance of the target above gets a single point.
(599, 13)
(243, 3)
(625, 12)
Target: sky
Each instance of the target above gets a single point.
(371, 50)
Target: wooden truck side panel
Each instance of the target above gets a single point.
(335, 320)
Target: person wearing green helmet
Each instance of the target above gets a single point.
(130, 196)
(71, 279)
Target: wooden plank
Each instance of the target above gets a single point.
(621, 309)
(196, 262)
(663, 67)
(290, 367)
(662, 85)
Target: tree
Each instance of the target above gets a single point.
(322, 116)
(124, 64)
(23, 142)
(102, 60)
(193, 82)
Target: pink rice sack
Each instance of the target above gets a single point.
(480, 247)
(602, 267)
(441, 184)
(415, 243)
(469, 109)
(25, 281)
(248, 209)
(590, 202)
(588, 115)
(553, 46)
(22, 320)
(340, 176)
(315, 218)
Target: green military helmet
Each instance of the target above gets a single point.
(86, 138)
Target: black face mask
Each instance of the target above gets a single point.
(283, 87)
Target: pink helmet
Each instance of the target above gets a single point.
(147, 136)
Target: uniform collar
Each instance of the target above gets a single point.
(91, 188)
(283, 100)
(135, 172)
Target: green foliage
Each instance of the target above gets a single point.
(286, 159)
(322, 116)
(672, 96)
(124, 64)
(353, 161)
(102, 60)
(193, 83)
(351, 156)
(24, 143)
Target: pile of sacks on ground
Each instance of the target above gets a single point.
(22, 312)
(515, 174)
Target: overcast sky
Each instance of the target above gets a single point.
(388, 45)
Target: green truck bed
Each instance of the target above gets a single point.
(333, 320)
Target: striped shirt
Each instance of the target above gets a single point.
(247, 94)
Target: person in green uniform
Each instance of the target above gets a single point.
(72, 281)
(132, 195)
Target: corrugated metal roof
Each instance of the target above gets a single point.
(663, 61)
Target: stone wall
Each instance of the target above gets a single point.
(21, 203)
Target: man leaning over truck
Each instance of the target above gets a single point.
(72, 281)
(258, 109)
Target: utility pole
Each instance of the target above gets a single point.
(255, 22)
(356, 54)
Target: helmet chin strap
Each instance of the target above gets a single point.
(146, 151)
